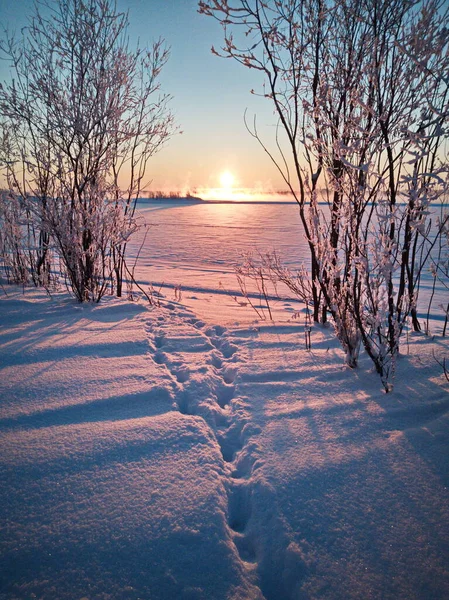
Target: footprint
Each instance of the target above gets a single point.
(159, 358)
(183, 401)
(181, 375)
(229, 375)
(247, 462)
(159, 340)
(245, 547)
(225, 394)
(221, 419)
(216, 361)
(197, 323)
(227, 349)
(239, 507)
(227, 447)
(230, 442)
(219, 330)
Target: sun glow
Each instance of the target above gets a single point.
(227, 180)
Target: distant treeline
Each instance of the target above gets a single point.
(169, 195)
(194, 194)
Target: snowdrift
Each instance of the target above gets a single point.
(147, 453)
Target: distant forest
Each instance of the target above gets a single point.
(160, 194)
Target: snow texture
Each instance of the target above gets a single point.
(191, 452)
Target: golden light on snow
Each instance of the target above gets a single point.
(227, 180)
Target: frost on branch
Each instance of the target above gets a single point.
(81, 116)
(360, 90)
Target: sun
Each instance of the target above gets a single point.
(227, 180)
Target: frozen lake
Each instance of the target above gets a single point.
(213, 236)
(196, 245)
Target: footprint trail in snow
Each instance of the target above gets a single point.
(205, 364)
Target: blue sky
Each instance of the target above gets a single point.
(209, 97)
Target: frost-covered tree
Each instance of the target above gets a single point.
(360, 91)
(24, 242)
(13, 240)
(82, 114)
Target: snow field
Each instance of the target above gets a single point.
(361, 478)
(109, 496)
(159, 454)
(198, 245)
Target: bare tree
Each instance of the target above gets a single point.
(361, 130)
(13, 242)
(84, 115)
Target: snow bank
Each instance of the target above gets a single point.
(359, 479)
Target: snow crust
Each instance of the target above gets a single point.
(107, 489)
(188, 451)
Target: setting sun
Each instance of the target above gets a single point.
(227, 180)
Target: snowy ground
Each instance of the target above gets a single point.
(191, 452)
(196, 246)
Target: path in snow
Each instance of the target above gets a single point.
(204, 363)
(335, 490)
(107, 490)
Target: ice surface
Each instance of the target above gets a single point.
(196, 246)
(189, 451)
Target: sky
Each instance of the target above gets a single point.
(210, 95)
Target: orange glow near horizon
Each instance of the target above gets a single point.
(238, 195)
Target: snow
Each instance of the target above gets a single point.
(108, 490)
(190, 451)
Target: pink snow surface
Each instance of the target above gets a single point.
(190, 452)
